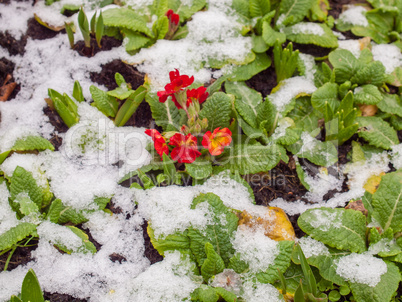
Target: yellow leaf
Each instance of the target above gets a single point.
(373, 182)
(274, 221)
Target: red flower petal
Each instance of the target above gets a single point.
(215, 142)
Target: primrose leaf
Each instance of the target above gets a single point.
(218, 232)
(135, 40)
(270, 36)
(304, 115)
(345, 64)
(245, 72)
(395, 78)
(77, 92)
(54, 211)
(121, 92)
(246, 101)
(373, 73)
(387, 202)
(31, 143)
(311, 33)
(27, 206)
(23, 181)
(30, 289)
(281, 263)
(383, 291)
(238, 265)
(186, 11)
(293, 11)
(216, 110)
(126, 18)
(104, 102)
(390, 103)
(250, 159)
(338, 228)
(377, 132)
(205, 293)
(177, 241)
(259, 8)
(323, 74)
(367, 94)
(267, 115)
(165, 114)
(199, 169)
(326, 94)
(86, 246)
(213, 265)
(69, 214)
(16, 234)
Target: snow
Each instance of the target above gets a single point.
(361, 268)
(307, 28)
(15, 26)
(389, 55)
(352, 45)
(396, 155)
(354, 15)
(312, 247)
(260, 292)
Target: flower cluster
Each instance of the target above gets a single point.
(185, 144)
(174, 20)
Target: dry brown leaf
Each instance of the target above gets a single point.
(368, 110)
(274, 221)
(365, 43)
(357, 206)
(47, 25)
(373, 182)
(7, 89)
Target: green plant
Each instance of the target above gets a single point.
(30, 290)
(95, 27)
(285, 61)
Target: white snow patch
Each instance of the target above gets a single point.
(260, 292)
(396, 156)
(8, 218)
(354, 15)
(352, 45)
(307, 28)
(312, 247)
(361, 268)
(9, 21)
(389, 55)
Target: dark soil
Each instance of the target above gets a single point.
(107, 43)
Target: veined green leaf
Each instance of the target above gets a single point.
(30, 290)
(31, 143)
(213, 265)
(304, 115)
(311, 33)
(23, 181)
(216, 110)
(218, 232)
(69, 214)
(345, 64)
(294, 11)
(199, 169)
(165, 114)
(177, 241)
(161, 27)
(377, 132)
(323, 74)
(186, 11)
(270, 36)
(326, 94)
(135, 40)
(250, 159)
(338, 228)
(390, 103)
(86, 247)
(259, 8)
(245, 72)
(367, 94)
(54, 211)
(104, 102)
(16, 234)
(383, 291)
(395, 78)
(205, 293)
(267, 116)
(373, 73)
(126, 18)
(27, 206)
(387, 202)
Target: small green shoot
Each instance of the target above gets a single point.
(70, 33)
(84, 27)
(285, 61)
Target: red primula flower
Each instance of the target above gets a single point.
(173, 18)
(177, 83)
(159, 142)
(216, 141)
(186, 148)
(199, 94)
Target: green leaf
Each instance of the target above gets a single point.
(383, 291)
(23, 181)
(245, 72)
(205, 293)
(324, 38)
(3, 156)
(86, 247)
(373, 73)
(135, 40)
(259, 45)
(270, 36)
(186, 11)
(161, 27)
(338, 228)
(259, 8)
(30, 290)
(250, 159)
(390, 103)
(246, 101)
(301, 174)
(16, 234)
(345, 64)
(166, 114)
(169, 168)
(27, 206)
(70, 33)
(32, 143)
(100, 29)
(77, 92)
(92, 23)
(67, 113)
(323, 74)
(199, 169)
(15, 299)
(226, 295)
(104, 102)
(377, 132)
(218, 232)
(84, 27)
(294, 10)
(213, 265)
(54, 211)
(267, 116)
(326, 94)
(367, 94)
(238, 265)
(395, 78)
(387, 202)
(242, 7)
(172, 242)
(69, 214)
(217, 109)
(126, 18)
(304, 115)
(281, 263)
(130, 106)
